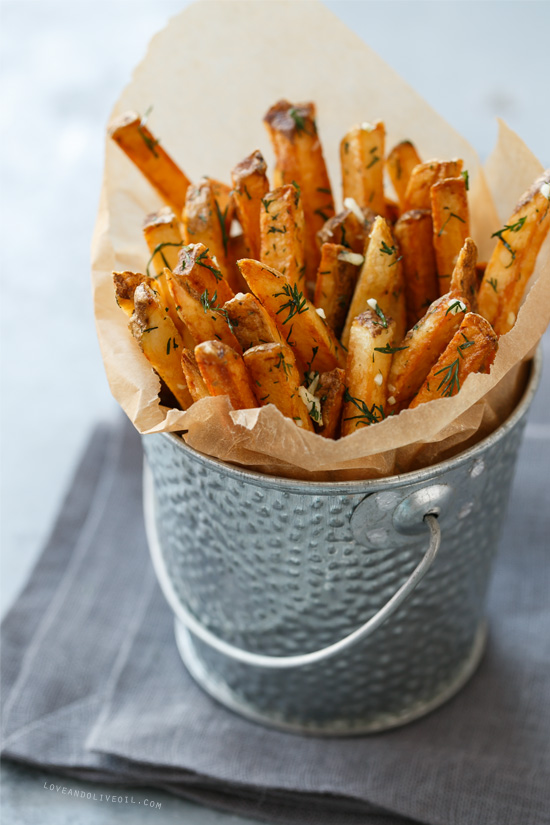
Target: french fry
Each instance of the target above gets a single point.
(400, 162)
(381, 278)
(351, 228)
(299, 158)
(362, 161)
(130, 132)
(392, 211)
(196, 265)
(423, 177)
(413, 233)
(252, 324)
(464, 277)
(369, 360)
(513, 260)
(125, 284)
(282, 233)
(312, 340)
(335, 283)
(195, 382)
(451, 225)
(250, 185)
(472, 349)
(159, 341)
(163, 237)
(276, 380)
(330, 390)
(224, 373)
(226, 206)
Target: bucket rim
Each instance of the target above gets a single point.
(371, 484)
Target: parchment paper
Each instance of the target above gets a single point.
(210, 75)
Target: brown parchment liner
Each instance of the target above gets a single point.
(210, 75)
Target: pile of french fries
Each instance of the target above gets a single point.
(263, 292)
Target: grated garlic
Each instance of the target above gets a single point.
(321, 312)
(351, 257)
(373, 303)
(391, 400)
(353, 206)
(312, 403)
(379, 379)
(545, 190)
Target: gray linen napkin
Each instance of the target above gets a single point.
(93, 685)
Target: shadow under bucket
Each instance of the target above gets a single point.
(330, 608)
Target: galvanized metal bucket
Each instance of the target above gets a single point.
(329, 608)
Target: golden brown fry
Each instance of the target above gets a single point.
(451, 225)
(423, 177)
(126, 284)
(226, 206)
(330, 390)
(195, 382)
(351, 227)
(201, 271)
(513, 260)
(163, 237)
(252, 324)
(160, 342)
(224, 373)
(413, 233)
(400, 162)
(362, 161)
(472, 349)
(336, 279)
(135, 139)
(464, 278)
(381, 279)
(276, 380)
(250, 185)
(369, 360)
(312, 340)
(299, 158)
(282, 233)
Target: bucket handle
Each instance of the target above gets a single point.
(278, 662)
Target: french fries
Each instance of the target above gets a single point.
(282, 233)
(159, 341)
(472, 349)
(312, 340)
(252, 325)
(330, 390)
(370, 355)
(362, 162)
(224, 373)
(381, 279)
(130, 132)
(204, 222)
(195, 382)
(413, 233)
(513, 260)
(335, 283)
(423, 177)
(250, 185)
(351, 228)
(126, 284)
(299, 159)
(400, 162)
(451, 225)
(276, 380)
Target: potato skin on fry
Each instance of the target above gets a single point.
(224, 373)
(253, 325)
(282, 233)
(362, 152)
(423, 177)
(276, 380)
(195, 382)
(451, 225)
(125, 284)
(138, 143)
(400, 162)
(346, 229)
(250, 185)
(335, 283)
(514, 258)
(472, 349)
(330, 391)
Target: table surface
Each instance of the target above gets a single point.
(64, 64)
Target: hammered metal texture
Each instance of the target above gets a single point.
(284, 569)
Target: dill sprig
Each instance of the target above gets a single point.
(201, 260)
(390, 250)
(149, 142)
(222, 216)
(513, 227)
(387, 350)
(158, 249)
(451, 215)
(296, 303)
(369, 415)
(450, 380)
(209, 305)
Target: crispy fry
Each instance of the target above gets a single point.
(312, 340)
(282, 233)
(252, 324)
(160, 342)
(299, 155)
(413, 233)
(201, 271)
(250, 185)
(163, 237)
(400, 162)
(362, 161)
(381, 278)
(330, 390)
(135, 139)
(226, 207)
(423, 177)
(369, 359)
(472, 349)
(125, 284)
(451, 225)
(351, 227)
(336, 279)
(195, 382)
(224, 373)
(513, 260)
(464, 278)
(276, 380)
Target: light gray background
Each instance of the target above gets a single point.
(63, 66)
